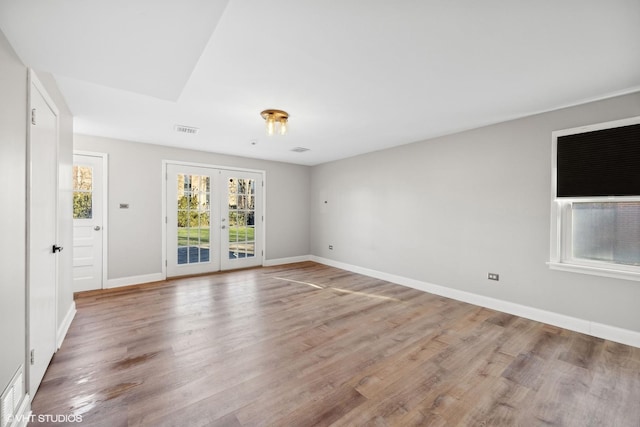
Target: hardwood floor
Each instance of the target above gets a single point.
(306, 344)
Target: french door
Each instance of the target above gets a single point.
(214, 219)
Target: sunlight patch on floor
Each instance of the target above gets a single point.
(297, 281)
(364, 294)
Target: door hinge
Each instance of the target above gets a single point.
(166, 220)
(166, 264)
(32, 357)
(33, 116)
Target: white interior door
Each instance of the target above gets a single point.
(88, 225)
(214, 219)
(42, 232)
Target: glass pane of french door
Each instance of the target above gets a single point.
(241, 247)
(241, 216)
(194, 214)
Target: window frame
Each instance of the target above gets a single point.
(561, 251)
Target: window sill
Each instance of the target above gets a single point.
(595, 271)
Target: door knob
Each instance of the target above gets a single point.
(97, 228)
(223, 227)
(56, 248)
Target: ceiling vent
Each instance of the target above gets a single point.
(186, 129)
(299, 149)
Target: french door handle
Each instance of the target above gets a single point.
(56, 248)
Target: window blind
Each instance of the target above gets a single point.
(604, 162)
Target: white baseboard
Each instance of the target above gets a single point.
(612, 333)
(66, 322)
(290, 260)
(134, 280)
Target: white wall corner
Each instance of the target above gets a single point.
(66, 323)
(290, 260)
(134, 280)
(623, 336)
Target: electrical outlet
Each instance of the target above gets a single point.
(493, 276)
(330, 247)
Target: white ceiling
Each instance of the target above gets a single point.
(355, 76)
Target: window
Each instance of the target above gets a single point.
(596, 200)
(82, 192)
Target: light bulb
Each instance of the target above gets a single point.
(283, 126)
(271, 125)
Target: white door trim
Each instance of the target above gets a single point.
(105, 209)
(206, 165)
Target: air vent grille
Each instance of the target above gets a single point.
(299, 149)
(11, 398)
(186, 129)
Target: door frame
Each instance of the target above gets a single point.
(34, 81)
(206, 165)
(105, 208)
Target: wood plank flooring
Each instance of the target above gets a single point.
(306, 344)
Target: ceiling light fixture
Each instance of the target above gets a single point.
(276, 119)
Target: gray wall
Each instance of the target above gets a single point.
(13, 129)
(449, 210)
(135, 173)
